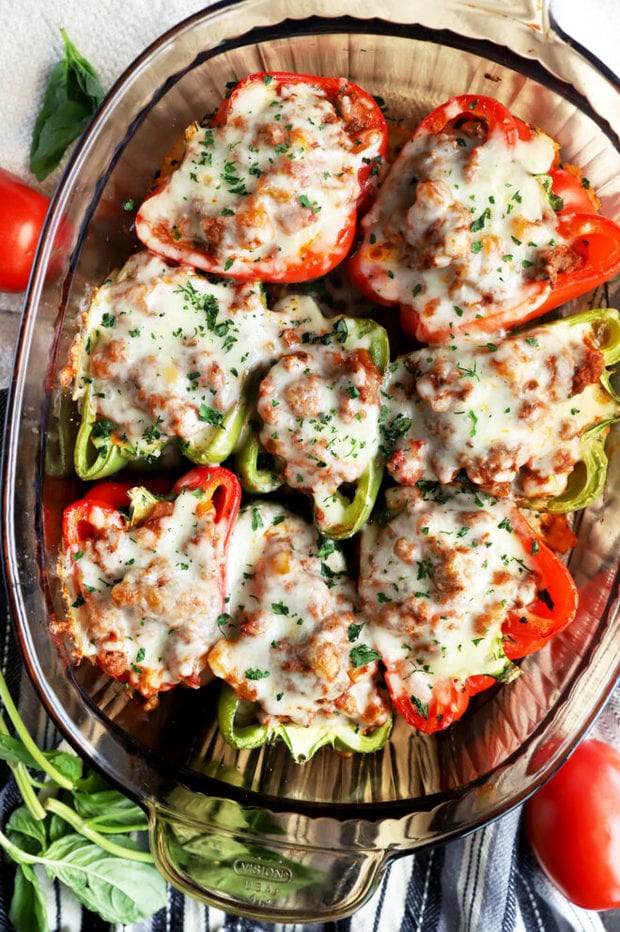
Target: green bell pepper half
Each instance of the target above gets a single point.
(98, 453)
(95, 454)
(239, 727)
(587, 479)
(60, 434)
(342, 515)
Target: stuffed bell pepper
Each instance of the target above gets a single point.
(165, 358)
(525, 417)
(456, 586)
(318, 415)
(477, 227)
(293, 656)
(144, 576)
(270, 188)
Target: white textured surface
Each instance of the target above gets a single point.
(594, 24)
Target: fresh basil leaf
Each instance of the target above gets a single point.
(91, 782)
(109, 811)
(57, 827)
(68, 764)
(14, 751)
(73, 95)
(28, 906)
(26, 831)
(118, 890)
(114, 877)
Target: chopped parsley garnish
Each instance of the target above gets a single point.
(305, 201)
(362, 655)
(392, 431)
(480, 221)
(354, 631)
(210, 415)
(421, 707)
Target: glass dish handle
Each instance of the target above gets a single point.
(240, 860)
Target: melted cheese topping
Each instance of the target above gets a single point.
(437, 581)
(320, 408)
(460, 228)
(292, 625)
(122, 583)
(275, 185)
(512, 415)
(165, 353)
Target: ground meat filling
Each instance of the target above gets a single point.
(123, 582)
(278, 179)
(320, 410)
(463, 225)
(437, 580)
(512, 414)
(165, 354)
(287, 640)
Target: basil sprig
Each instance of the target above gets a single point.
(72, 96)
(78, 829)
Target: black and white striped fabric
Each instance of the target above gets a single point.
(486, 882)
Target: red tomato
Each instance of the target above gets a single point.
(22, 212)
(573, 825)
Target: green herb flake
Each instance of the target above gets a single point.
(209, 415)
(354, 631)
(362, 654)
(305, 201)
(479, 222)
(420, 707)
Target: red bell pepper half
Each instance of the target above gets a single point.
(102, 518)
(523, 632)
(527, 631)
(470, 108)
(261, 193)
(383, 266)
(220, 487)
